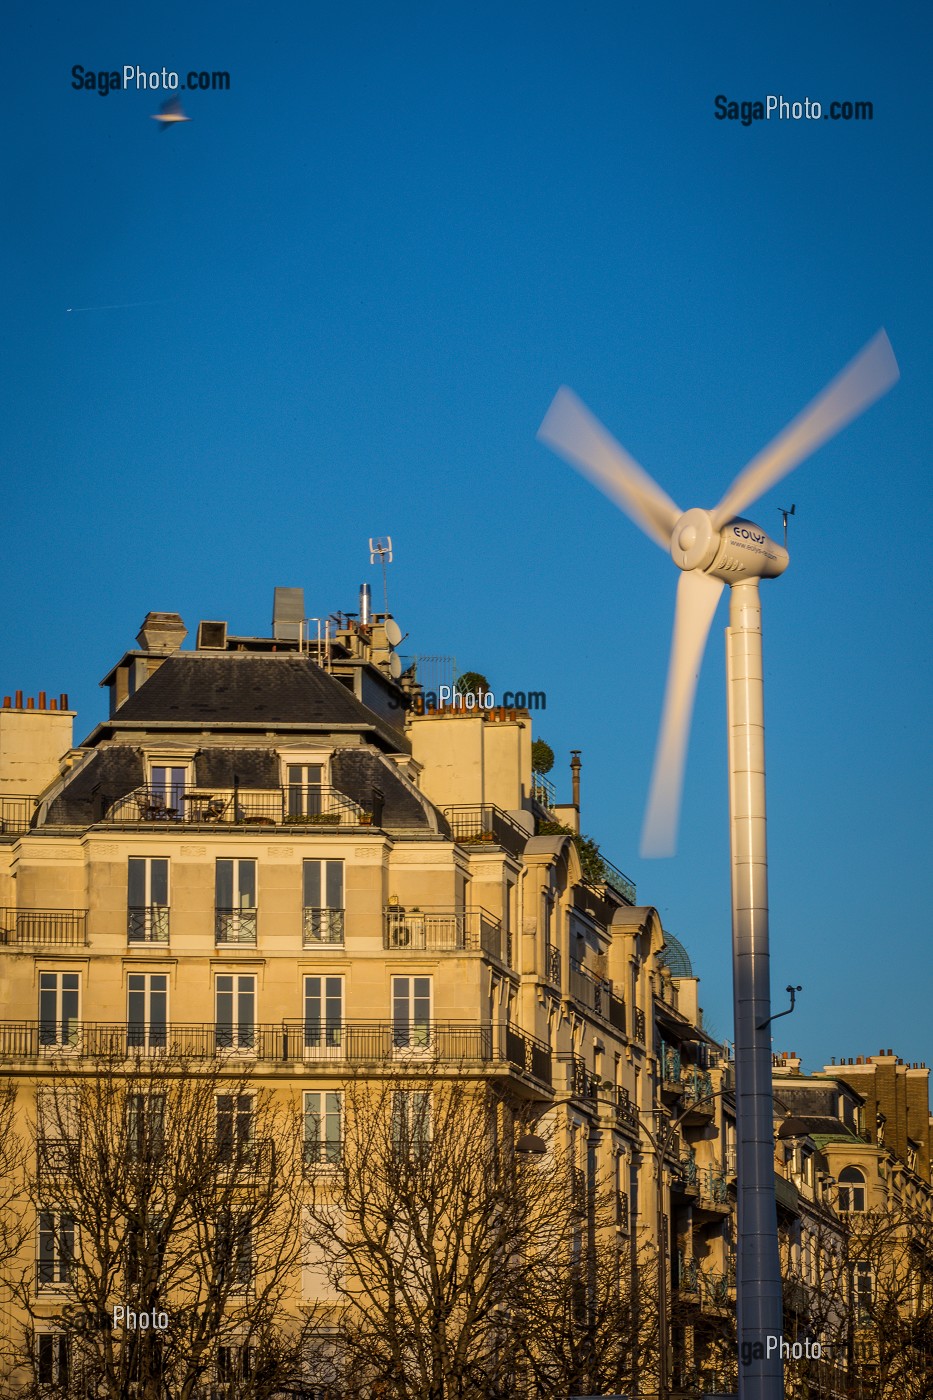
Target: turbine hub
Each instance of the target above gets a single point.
(694, 542)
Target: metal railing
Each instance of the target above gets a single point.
(638, 1025)
(298, 1041)
(16, 814)
(474, 825)
(698, 1089)
(616, 1012)
(528, 1054)
(714, 1188)
(552, 964)
(578, 1190)
(589, 990)
(618, 881)
(443, 930)
(56, 928)
(543, 791)
(284, 806)
(626, 1111)
(622, 1211)
(688, 1273)
(322, 926)
(689, 1171)
(671, 1067)
(236, 925)
(148, 923)
(714, 1289)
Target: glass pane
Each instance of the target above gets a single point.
(223, 885)
(136, 883)
(247, 891)
(312, 884)
(158, 882)
(335, 884)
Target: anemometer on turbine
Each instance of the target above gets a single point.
(713, 548)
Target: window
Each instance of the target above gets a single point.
(147, 900)
(52, 1358)
(59, 1008)
(862, 1290)
(145, 1127)
(323, 901)
(323, 1137)
(304, 791)
(411, 1121)
(147, 1010)
(234, 1363)
(235, 915)
(851, 1190)
(235, 998)
(167, 790)
(234, 1127)
(323, 1016)
(56, 1249)
(234, 1245)
(58, 1139)
(411, 1013)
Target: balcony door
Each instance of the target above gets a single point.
(168, 790)
(147, 1011)
(304, 789)
(59, 1009)
(411, 1015)
(323, 1032)
(235, 1006)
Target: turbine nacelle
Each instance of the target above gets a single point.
(739, 550)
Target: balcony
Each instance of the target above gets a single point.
(584, 1084)
(713, 1190)
(443, 930)
(288, 1043)
(543, 791)
(688, 1172)
(589, 990)
(147, 923)
(626, 1112)
(322, 927)
(671, 1069)
(697, 1095)
(47, 928)
(486, 825)
(242, 807)
(16, 814)
(236, 926)
(552, 967)
(638, 1025)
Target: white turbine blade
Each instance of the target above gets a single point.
(697, 596)
(572, 431)
(864, 380)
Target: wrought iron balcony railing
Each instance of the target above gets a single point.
(322, 926)
(443, 930)
(698, 1089)
(238, 806)
(714, 1188)
(301, 1042)
(688, 1273)
(626, 1111)
(16, 814)
(543, 791)
(236, 925)
(671, 1067)
(638, 1025)
(622, 1211)
(148, 923)
(477, 825)
(51, 928)
(552, 964)
(589, 990)
(578, 1190)
(689, 1171)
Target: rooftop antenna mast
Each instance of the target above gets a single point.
(381, 549)
(786, 513)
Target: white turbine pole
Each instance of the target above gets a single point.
(758, 1290)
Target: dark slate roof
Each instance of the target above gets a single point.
(358, 771)
(252, 768)
(249, 689)
(112, 772)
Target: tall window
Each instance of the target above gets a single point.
(167, 790)
(234, 1363)
(411, 1013)
(56, 1249)
(235, 998)
(59, 1008)
(147, 1010)
(235, 913)
(304, 791)
(323, 1016)
(411, 1121)
(323, 1137)
(52, 1359)
(323, 901)
(145, 1127)
(234, 1127)
(234, 1246)
(851, 1189)
(147, 900)
(863, 1290)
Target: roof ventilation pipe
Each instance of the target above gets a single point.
(366, 605)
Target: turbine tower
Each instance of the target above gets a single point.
(713, 548)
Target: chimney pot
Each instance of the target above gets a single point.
(30, 703)
(19, 699)
(63, 700)
(53, 703)
(41, 699)
(6, 702)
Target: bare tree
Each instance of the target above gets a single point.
(166, 1194)
(13, 1215)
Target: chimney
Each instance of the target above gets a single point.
(366, 605)
(575, 766)
(161, 631)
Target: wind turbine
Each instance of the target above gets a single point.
(713, 548)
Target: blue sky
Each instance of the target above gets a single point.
(373, 261)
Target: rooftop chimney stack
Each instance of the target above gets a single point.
(161, 631)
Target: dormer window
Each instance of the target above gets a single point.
(304, 783)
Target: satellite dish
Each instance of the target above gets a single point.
(393, 633)
(395, 666)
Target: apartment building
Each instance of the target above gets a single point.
(266, 856)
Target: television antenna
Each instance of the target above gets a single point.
(713, 548)
(381, 549)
